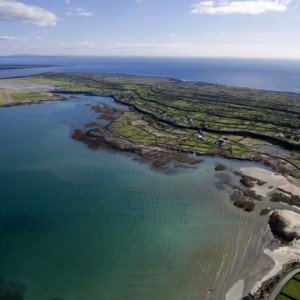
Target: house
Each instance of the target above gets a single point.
(220, 142)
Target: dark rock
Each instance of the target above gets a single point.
(247, 181)
(251, 194)
(241, 202)
(265, 211)
(288, 199)
(220, 167)
(279, 227)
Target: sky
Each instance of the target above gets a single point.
(187, 28)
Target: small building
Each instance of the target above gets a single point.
(220, 142)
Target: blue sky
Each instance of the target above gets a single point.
(222, 28)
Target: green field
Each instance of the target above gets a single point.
(187, 115)
(291, 290)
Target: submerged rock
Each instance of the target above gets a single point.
(288, 199)
(241, 202)
(265, 211)
(220, 167)
(10, 290)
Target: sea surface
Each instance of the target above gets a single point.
(80, 224)
(282, 75)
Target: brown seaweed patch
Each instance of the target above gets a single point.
(286, 198)
(265, 211)
(240, 201)
(160, 159)
(220, 167)
(251, 194)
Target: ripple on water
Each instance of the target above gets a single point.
(105, 226)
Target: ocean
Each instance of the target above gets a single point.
(279, 75)
(80, 224)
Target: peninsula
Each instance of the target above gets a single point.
(186, 117)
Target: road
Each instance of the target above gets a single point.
(282, 283)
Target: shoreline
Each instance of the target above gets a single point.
(163, 144)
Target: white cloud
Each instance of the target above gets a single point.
(12, 10)
(81, 45)
(252, 7)
(125, 45)
(12, 38)
(79, 11)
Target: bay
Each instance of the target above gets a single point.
(82, 224)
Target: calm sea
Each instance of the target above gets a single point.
(253, 73)
(78, 224)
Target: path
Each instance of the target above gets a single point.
(282, 283)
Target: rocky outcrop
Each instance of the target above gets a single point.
(220, 167)
(285, 198)
(283, 227)
(240, 201)
(247, 181)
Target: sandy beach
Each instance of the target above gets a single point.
(269, 183)
(273, 182)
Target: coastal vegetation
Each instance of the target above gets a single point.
(17, 97)
(170, 123)
(192, 117)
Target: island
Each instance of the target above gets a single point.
(21, 67)
(167, 122)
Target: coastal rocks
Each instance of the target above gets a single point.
(249, 181)
(285, 225)
(240, 201)
(265, 211)
(220, 167)
(246, 181)
(160, 158)
(286, 198)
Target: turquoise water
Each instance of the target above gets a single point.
(80, 224)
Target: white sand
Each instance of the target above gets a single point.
(283, 255)
(236, 292)
(273, 181)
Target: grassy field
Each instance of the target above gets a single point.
(210, 106)
(291, 290)
(189, 115)
(10, 97)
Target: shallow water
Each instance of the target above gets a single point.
(82, 224)
(274, 150)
